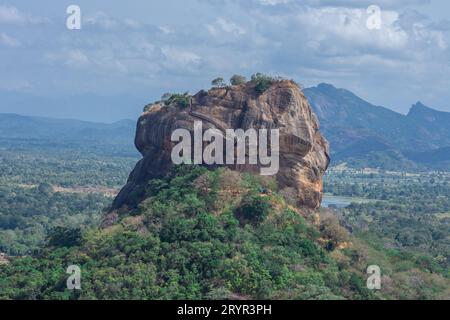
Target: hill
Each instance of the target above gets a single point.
(364, 134)
(197, 232)
(262, 103)
(13, 126)
(25, 132)
(204, 234)
(87, 107)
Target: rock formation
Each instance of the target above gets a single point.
(303, 151)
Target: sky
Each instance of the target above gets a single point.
(143, 49)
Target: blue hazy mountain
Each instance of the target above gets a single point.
(360, 132)
(88, 107)
(26, 132)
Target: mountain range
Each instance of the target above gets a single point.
(15, 126)
(360, 134)
(363, 134)
(26, 132)
(88, 107)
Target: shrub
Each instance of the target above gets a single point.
(45, 189)
(333, 231)
(180, 100)
(166, 96)
(262, 82)
(254, 209)
(218, 82)
(64, 237)
(237, 80)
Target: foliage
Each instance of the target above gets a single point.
(179, 100)
(262, 82)
(237, 80)
(64, 237)
(41, 190)
(405, 218)
(176, 248)
(218, 83)
(214, 234)
(253, 209)
(332, 231)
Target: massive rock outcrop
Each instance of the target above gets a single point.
(303, 151)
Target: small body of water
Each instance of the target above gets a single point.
(338, 201)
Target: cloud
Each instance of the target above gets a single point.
(346, 28)
(180, 57)
(10, 15)
(104, 21)
(311, 41)
(328, 40)
(225, 28)
(8, 41)
(331, 27)
(334, 3)
(72, 58)
(230, 27)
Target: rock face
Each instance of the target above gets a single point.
(303, 151)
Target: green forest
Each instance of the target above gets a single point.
(42, 189)
(219, 234)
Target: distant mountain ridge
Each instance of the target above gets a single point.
(376, 135)
(13, 126)
(88, 107)
(360, 133)
(17, 131)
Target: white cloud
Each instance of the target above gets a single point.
(273, 2)
(10, 15)
(230, 27)
(181, 57)
(311, 41)
(8, 41)
(346, 28)
(101, 20)
(389, 4)
(73, 58)
(106, 22)
(223, 26)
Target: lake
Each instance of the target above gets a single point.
(338, 201)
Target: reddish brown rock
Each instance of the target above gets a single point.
(303, 150)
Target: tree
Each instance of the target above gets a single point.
(262, 82)
(332, 230)
(181, 100)
(218, 83)
(166, 96)
(45, 189)
(253, 209)
(237, 80)
(65, 237)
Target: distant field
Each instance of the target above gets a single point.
(44, 188)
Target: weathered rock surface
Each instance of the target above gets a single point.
(303, 151)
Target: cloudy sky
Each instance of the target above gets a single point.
(144, 48)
